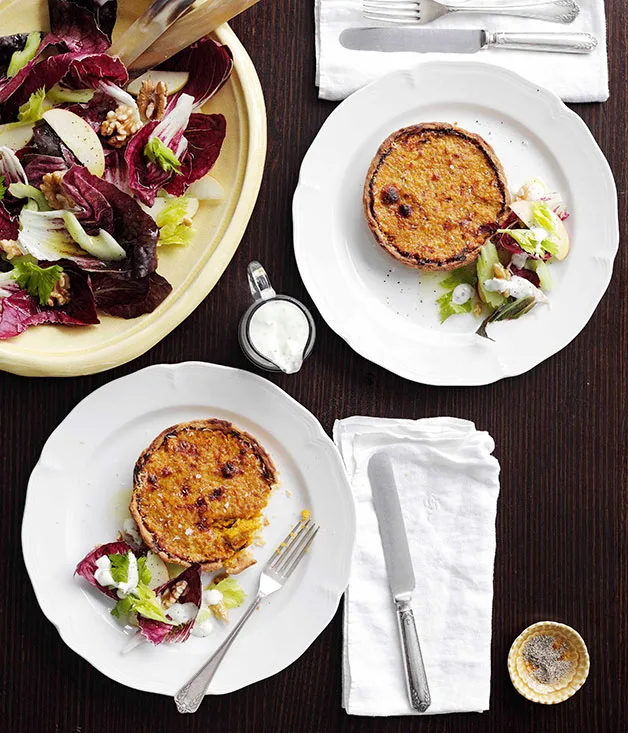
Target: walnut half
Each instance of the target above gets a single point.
(11, 248)
(172, 595)
(60, 294)
(151, 100)
(119, 125)
(52, 188)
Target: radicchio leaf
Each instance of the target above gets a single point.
(526, 274)
(209, 64)
(8, 46)
(132, 287)
(75, 27)
(205, 135)
(116, 170)
(75, 70)
(19, 310)
(83, 25)
(87, 567)
(45, 154)
(94, 111)
(9, 228)
(91, 208)
(12, 171)
(157, 631)
(145, 178)
(36, 166)
(119, 295)
(132, 228)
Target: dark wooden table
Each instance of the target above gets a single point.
(560, 431)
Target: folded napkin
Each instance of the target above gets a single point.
(574, 77)
(448, 484)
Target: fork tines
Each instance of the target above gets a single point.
(396, 10)
(287, 556)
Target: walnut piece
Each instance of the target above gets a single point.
(172, 595)
(52, 188)
(151, 100)
(11, 248)
(60, 294)
(220, 611)
(119, 125)
(501, 273)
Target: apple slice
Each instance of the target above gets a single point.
(79, 137)
(207, 188)
(174, 80)
(525, 211)
(15, 135)
(158, 570)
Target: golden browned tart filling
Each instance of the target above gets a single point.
(434, 193)
(199, 490)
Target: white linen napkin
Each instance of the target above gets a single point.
(574, 77)
(448, 485)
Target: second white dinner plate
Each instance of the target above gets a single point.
(78, 497)
(387, 311)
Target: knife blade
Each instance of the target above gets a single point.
(391, 526)
(418, 40)
(400, 574)
(447, 40)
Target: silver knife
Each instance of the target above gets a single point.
(446, 40)
(400, 574)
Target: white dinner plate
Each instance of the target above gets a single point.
(78, 496)
(385, 310)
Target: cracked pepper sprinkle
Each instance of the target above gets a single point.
(544, 654)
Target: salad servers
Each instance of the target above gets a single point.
(168, 26)
(280, 566)
(151, 24)
(420, 12)
(446, 40)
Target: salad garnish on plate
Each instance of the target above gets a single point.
(512, 273)
(96, 170)
(164, 603)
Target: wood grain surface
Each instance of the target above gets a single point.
(560, 432)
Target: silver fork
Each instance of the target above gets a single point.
(420, 12)
(279, 567)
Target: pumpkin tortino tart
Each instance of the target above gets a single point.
(199, 490)
(434, 194)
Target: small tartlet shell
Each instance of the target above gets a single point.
(521, 674)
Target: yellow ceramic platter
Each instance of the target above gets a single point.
(192, 270)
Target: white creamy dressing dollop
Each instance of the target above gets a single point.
(462, 294)
(182, 613)
(103, 575)
(516, 287)
(211, 597)
(279, 331)
(204, 624)
(203, 628)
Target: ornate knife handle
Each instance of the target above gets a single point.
(553, 42)
(558, 11)
(416, 679)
